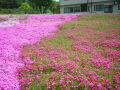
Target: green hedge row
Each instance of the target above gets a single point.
(18, 11)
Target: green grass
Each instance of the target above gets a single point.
(98, 17)
(118, 33)
(61, 39)
(104, 22)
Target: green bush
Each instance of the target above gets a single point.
(25, 6)
(34, 12)
(11, 11)
(48, 11)
(19, 11)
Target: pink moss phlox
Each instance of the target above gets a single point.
(30, 29)
(58, 66)
(76, 47)
(77, 58)
(71, 64)
(91, 84)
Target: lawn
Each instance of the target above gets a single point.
(84, 54)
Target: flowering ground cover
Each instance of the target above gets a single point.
(18, 30)
(84, 54)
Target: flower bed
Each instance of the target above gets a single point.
(81, 55)
(12, 36)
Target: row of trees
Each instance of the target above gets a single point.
(45, 6)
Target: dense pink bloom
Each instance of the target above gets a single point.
(53, 83)
(77, 58)
(91, 61)
(29, 66)
(99, 85)
(40, 67)
(17, 32)
(75, 47)
(91, 84)
(91, 72)
(61, 82)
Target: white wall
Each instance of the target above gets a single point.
(104, 3)
(115, 7)
(61, 10)
(69, 2)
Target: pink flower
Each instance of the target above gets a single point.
(32, 62)
(53, 61)
(77, 58)
(66, 57)
(40, 67)
(53, 83)
(91, 84)
(29, 66)
(91, 72)
(118, 81)
(99, 85)
(61, 81)
(75, 47)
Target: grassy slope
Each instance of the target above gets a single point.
(61, 48)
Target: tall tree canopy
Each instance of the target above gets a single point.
(42, 3)
(55, 7)
(10, 3)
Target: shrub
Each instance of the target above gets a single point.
(48, 11)
(11, 11)
(25, 6)
(34, 12)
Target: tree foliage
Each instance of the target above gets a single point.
(10, 3)
(55, 7)
(44, 6)
(25, 6)
(42, 3)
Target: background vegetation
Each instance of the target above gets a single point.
(28, 6)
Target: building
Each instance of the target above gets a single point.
(89, 6)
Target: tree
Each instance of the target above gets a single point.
(55, 7)
(44, 6)
(25, 6)
(10, 3)
(42, 3)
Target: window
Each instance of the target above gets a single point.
(72, 9)
(66, 10)
(118, 6)
(108, 8)
(83, 7)
(88, 8)
(94, 7)
(76, 9)
(99, 7)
